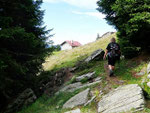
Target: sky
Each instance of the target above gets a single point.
(76, 20)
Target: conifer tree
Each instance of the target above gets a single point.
(22, 45)
(132, 20)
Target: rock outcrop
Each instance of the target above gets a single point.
(25, 98)
(52, 83)
(85, 76)
(77, 100)
(122, 99)
(96, 55)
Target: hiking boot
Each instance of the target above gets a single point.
(111, 73)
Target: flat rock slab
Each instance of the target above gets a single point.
(85, 76)
(70, 87)
(74, 111)
(76, 86)
(122, 99)
(96, 55)
(97, 79)
(77, 100)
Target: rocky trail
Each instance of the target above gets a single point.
(106, 94)
(125, 98)
(113, 79)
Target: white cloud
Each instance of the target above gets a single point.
(51, 1)
(94, 14)
(83, 3)
(90, 4)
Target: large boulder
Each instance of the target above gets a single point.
(122, 99)
(85, 76)
(27, 97)
(96, 55)
(77, 100)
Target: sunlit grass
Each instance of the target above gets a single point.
(123, 72)
(52, 104)
(68, 58)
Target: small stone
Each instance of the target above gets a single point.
(74, 111)
(100, 93)
(140, 73)
(57, 107)
(148, 68)
(88, 76)
(148, 76)
(148, 84)
(72, 69)
(97, 79)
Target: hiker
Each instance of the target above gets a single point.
(113, 53)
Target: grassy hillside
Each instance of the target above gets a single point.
(124, 74)
(70, 57)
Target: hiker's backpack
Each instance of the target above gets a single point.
(114, 50)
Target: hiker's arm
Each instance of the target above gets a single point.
(105, 54)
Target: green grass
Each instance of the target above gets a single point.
(52, 104)
(68, 58)
(55, 103)
(91, 108)
(124, 71)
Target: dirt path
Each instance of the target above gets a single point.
(113, 79)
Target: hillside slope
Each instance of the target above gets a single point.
(70, 57)
(127, 72)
